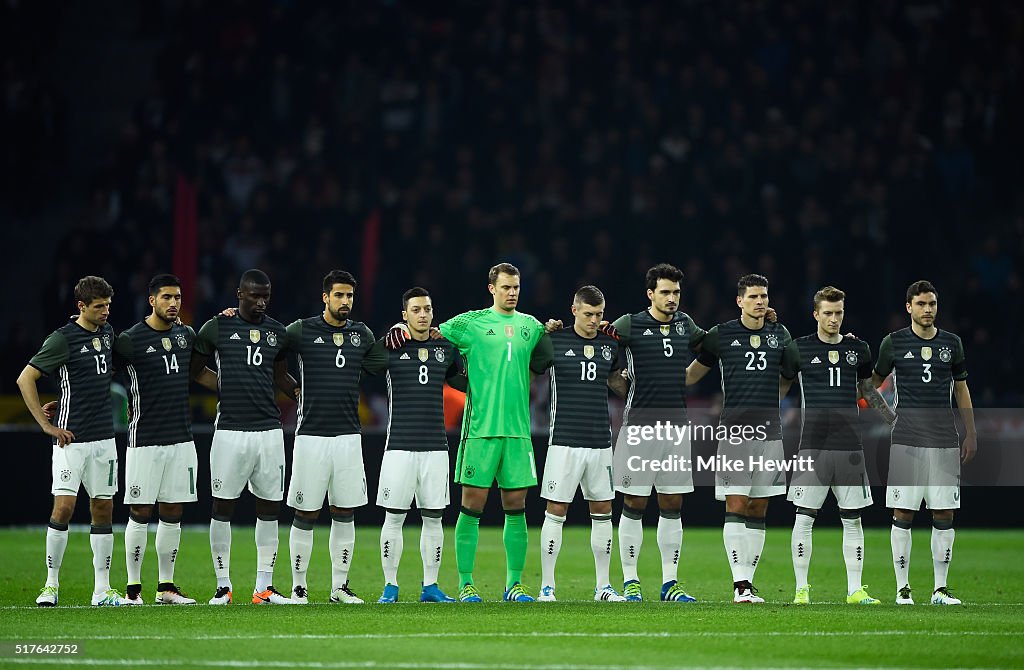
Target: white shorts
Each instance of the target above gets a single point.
(423, 475)
(238, 457)
(641, 484)
(752, 483)
(327, 466)
(89, 464)
(923, 474)
(161, 473)
(842, 472)
(569, 468)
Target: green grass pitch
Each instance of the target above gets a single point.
(987, 572)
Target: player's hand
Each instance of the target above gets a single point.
(968, 449)
(770, 315)
(50, 410)
(228, 311)
(63, 436)
(297, 393)
(625, 374)
(435, 333)
(851, 336)
(551, 325)
(396, 336)
(608, 329)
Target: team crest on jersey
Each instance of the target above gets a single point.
(588, 350)
(439, 354)
(96, 343)
(606, 352)
(272, 339)
(755, 341)
(355, 339)
(665, 330)
(833, 357)
(339, 339)
(926, 353)
(181, 340)
(424, 354)
(106, 341)
(166, 343)
(680, 328)
(510, 331)
(254, 336)
(135, 491)
(773, 341)
(525, 332)
(945, 354)
(851, 358)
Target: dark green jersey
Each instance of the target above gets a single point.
(415, 380)
(828, 375)
(156, 365)
(245, 353)
(750, 362)
(657, 355)
(331, 360)
(923, 372)
(579, 389)
(82, 363)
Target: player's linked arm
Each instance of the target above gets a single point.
(790, 364)
(376, 358)
(617, 383)
(206, 342)
(884, 364)
(704, 361)
(542, 356)
(867, 389)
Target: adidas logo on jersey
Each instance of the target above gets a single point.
(234, 336)
(83, 350)
(150, 350)
(910, 354)
(735, 343)
(490, 331)
(815, 360)
(648, 332)
(318, 340)
(570, 353)
(404, 357)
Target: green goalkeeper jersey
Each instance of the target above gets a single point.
(499, 350)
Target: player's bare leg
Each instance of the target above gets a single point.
(900, 539)
(342, 545)
(56, 543)
(943, 535)
(631, 539)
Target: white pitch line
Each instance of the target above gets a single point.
(546, 634)
(342, 665)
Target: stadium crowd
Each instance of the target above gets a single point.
(863, 146)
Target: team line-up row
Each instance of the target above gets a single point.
(649, 358)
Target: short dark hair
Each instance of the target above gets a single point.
(663, 271)
(90, 288)
(919, 287)
(338, 277)
(746, 281)
(162, 280)
(255, 277)
(501, 268)
(827, 294)
(589, 295)
(414, 292)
